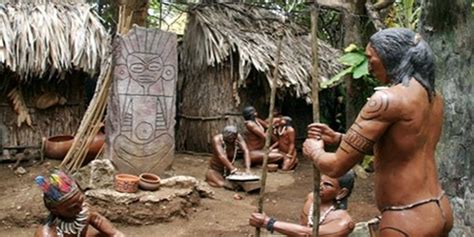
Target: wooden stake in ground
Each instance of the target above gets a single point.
(269, 130)
(315, 98)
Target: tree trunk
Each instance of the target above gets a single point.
(447, 26)
(140, 12)
(352, 26)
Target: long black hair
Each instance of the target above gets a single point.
(404, 55)
(345, 181)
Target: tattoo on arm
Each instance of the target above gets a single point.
(358, 142)
(375, 106)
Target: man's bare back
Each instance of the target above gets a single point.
(419, 122)
(254, 135)
(255, 138)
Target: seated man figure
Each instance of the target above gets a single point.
(69, 214)
(224, 149)
(255, 138)
(334, 220)
(286, 142)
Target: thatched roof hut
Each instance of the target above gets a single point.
(227, 58)
(47, 50)
(217, 31)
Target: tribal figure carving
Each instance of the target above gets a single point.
(145, 73)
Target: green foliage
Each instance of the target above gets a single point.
(167, 16)
(404, 13)
(358, 67)
(108, 11)
(366, 163)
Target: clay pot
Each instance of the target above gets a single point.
(272, 167)
(149, 182)
(95, 147)
(57, 147)
(126, 183)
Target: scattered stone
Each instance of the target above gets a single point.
(238, 197)
(98, 174)
(365, 229)
(20, 171)
(360, 172)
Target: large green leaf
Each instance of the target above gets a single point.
(352, 59)
(361, 70)
(336, 79)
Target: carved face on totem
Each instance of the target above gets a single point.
(148, 68)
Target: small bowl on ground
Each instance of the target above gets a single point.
(149, 182)
(272, 167)
(126, 183)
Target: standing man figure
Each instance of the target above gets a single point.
(401, 125)
(224, 149)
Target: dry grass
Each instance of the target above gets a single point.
(38, 40)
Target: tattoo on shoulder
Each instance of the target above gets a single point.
(358, 142)
(375, 106)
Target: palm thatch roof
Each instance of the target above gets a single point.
(216, 31)
(38, 40)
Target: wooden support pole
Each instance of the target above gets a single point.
(315, 99)
(268, 138)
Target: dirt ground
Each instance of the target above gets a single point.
(21, 207)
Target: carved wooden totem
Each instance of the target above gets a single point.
(141, 110)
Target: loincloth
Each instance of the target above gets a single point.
(436, 200)
(415, 204)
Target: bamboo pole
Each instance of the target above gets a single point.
(91, 121)
(315, 99)
(268, 138)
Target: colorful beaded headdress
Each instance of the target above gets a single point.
(57, 186)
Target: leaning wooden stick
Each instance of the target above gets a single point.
(269, 131)
(315, 98)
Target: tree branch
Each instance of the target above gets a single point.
(374, 16)
(383, 4)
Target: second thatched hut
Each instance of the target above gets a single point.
(227, 57)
